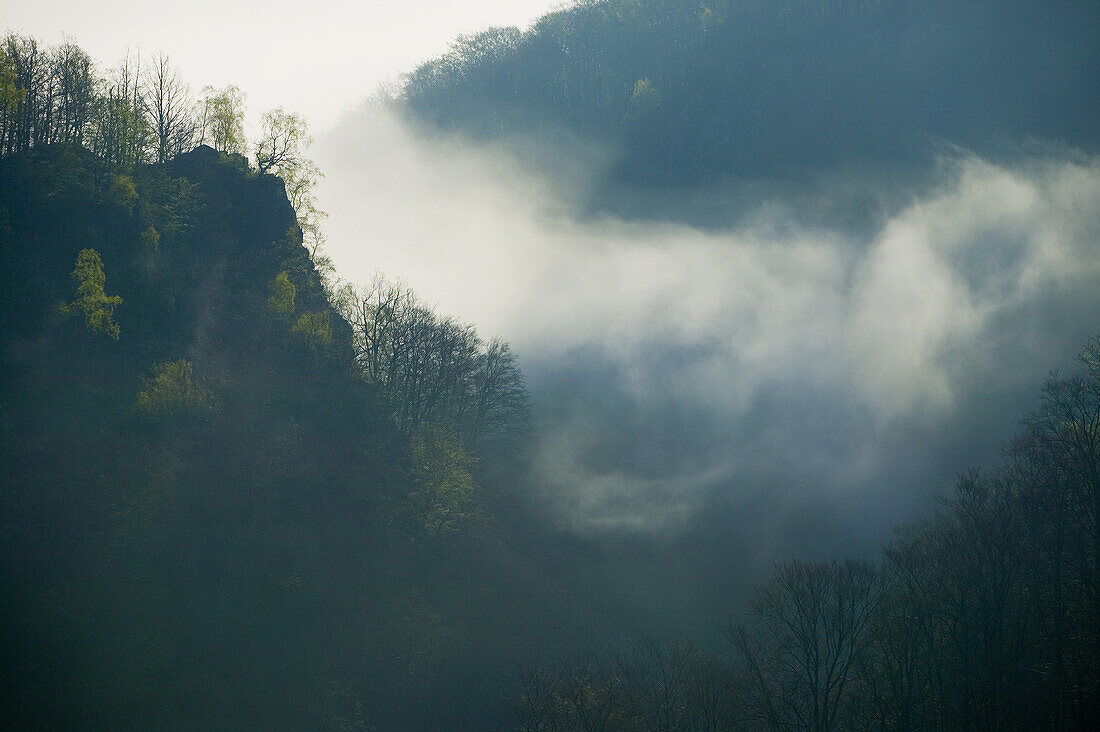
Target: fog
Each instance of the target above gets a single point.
(798, 385)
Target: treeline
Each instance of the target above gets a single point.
(983, 616)
(688, 92)
(142, 111)
(433, 369)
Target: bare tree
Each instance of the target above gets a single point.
(284, 138)
(170, 109)
(812, 627)
(434, 369)
(73, 93)
(121, 131)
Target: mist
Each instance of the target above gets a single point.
(787, 386)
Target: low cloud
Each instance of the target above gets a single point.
(673, 366)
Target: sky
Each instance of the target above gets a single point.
(316, 58)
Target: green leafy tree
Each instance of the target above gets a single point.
(170, 389)
(645, 98)
(122, 192)
(315, 328)
(221, 119)
(443, 495)
(10, 94)
(281, 149)
(97, 306)
(283, 293)
(284, 138)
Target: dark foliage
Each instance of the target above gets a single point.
(689, 92)
(206, 522)
(983, 616)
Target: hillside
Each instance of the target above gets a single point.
(205, 513)
(686, 93)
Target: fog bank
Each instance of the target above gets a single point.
(676, 368)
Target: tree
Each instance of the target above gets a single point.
(434, 369)
(91, 299)
(283, 139)
(221, 119)
(442, 498)
(813, 624)
(283, 293)
(315, 328)
(10, 94)
(169, 110)
(121, 130)
(170, 389)
(74, 93)
(281, 149)
(24, 116)
(1057, 460)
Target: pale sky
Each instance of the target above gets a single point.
(317, 57)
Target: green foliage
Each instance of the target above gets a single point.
(645, 98)
(443, 496)
(97, 306)
(10, 94)
(315, 328)
(282, 295)
(283, 139)
(221, 119)
(170, 390)
(122, 192)
(150, 240)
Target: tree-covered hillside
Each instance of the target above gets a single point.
(688, 92)
(210, 516)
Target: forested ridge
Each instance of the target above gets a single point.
(237, 493)
(240, 493)
(688, 92)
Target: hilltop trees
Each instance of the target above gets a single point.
(132, 115)
(123, 133)
(144, 113)
(433, 369)
(688, 92)
(170, 110)
(221, 119)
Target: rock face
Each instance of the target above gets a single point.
(258, 203)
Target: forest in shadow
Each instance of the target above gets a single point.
(725, 366)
